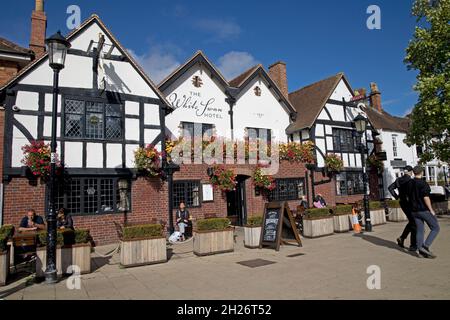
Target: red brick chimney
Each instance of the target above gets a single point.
(375, 97)
(38, 28)
(277, 73)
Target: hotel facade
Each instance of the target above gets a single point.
(108, 108)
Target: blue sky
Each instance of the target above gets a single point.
(315, 38)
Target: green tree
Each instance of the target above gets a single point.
(429, 53)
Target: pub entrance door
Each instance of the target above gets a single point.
(236, 203)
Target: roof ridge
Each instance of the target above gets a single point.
(247, 72)
(340, 74)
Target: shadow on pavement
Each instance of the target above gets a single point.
(383, 243)
(98, 262)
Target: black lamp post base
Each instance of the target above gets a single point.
(368, 227)
(51, 277)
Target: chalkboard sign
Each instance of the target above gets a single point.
(271, 222)
(278, 226)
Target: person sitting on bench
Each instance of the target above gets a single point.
(31, 222)
(182, 217)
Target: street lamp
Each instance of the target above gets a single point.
(360, 125)
(57, 49)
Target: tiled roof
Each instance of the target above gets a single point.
(309, 101)
(236, 82)
(386, 121)
(8, 46)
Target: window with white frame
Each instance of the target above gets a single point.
(394, 145)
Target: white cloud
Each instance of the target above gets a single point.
(159, 61)
(219, 29)
(234, 63)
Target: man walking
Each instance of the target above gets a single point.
(401, 185)
(422, 211)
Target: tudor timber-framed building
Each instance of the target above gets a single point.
(106, 110)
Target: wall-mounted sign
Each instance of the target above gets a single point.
(195, 102)
(208, 192)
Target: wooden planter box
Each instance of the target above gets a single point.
(213, 242)
(4, 266)
(252, 236)
(313, 228)
(139, 252)
(377, 217)
(77, 255)
(397, 215)
(342, 223)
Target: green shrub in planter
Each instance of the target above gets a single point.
(82, 236)
(375, 205)
(393, 203)
(63, 238)
(7, 230)
(254, 221)
(213, 224)
(317, 213)
(142, 231)
(343, 209)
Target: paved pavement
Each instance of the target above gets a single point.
(333, 267)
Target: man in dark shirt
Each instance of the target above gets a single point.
(401, 184)
(422, 211)
(31, 222)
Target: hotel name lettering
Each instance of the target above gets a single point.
(194, 101)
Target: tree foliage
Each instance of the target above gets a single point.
(429, 53)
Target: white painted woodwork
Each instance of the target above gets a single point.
(73, 157)
(94, 155)
(397, 215)
(114, 155)
(27, 100)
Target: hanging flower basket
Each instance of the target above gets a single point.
(333, 163)
(222, 178)
(37, 157)
(261, 181)
(148, 160)
(297, 152)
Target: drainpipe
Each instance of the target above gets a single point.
(231, 102)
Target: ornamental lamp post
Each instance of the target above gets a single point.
(361, 125)
(57, 49)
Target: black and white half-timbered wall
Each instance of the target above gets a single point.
(107, 108)
(325, 117)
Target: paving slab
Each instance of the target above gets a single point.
(332, 267)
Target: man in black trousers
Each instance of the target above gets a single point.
(401, 184)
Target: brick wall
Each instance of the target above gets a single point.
(38, 31)
(8, 69)
(148, 200)
(2, 135)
